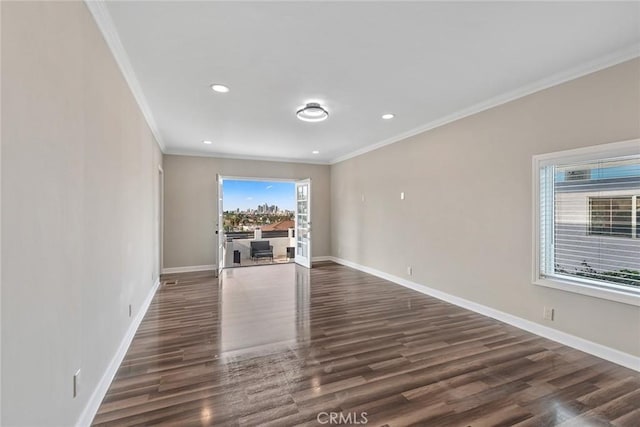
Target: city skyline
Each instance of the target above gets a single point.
(260, 209)
(248, 195)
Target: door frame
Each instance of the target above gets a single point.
(220, 226)
(160, 219)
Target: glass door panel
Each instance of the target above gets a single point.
(303, 223)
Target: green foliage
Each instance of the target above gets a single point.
(623, 276)
(234, 221)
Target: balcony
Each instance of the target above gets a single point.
(240, 241)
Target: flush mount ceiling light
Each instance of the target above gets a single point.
(312, 112)
(206, 141)
(388, 116)
(219, 88)
(315, 152)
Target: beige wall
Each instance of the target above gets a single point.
(466, 223)
(79, 199)
(190, 207)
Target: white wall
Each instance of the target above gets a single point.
(79, 187)
(191, 207)
(466, 223)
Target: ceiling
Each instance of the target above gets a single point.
(426, 62)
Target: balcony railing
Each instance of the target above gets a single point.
(249, 234)
(240, 241)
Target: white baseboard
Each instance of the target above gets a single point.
(321, 258)
(188, 269)
(101, 389)
(616, 356)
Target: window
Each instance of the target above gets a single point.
(612, 216)
(587, 221)
(637, 215)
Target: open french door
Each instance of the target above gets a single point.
(220, 227)
(303, 223)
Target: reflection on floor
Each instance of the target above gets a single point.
(272, 310)
(281, 345)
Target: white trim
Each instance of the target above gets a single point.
(610, 60)
(629, 147)
(616, 356)
(576, 285)
(179, 152)
(262, 179)
(91, 408)
(615, 293)
(321, 258)
(188, 269)
(103, 19)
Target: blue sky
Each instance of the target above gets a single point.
(624, 171)
(250, 194)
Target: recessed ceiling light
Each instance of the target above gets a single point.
(315, 152)
(220, 88)
(312, 112)
(388, 116)
(206, 141)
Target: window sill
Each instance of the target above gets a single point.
(611, 294)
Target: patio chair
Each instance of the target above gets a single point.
(261, 249)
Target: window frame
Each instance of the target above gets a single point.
(633, 231)
(584, 286)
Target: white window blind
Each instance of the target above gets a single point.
(589, 221)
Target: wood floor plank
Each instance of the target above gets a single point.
(279, 345)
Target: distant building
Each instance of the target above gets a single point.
(598, 218)
(266, 209)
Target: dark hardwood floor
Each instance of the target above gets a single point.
(281, 345)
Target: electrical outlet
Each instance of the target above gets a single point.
(129, 310)
(402, 195)
(409, 270)
(76, 383)
(363, 198)
(548, 313)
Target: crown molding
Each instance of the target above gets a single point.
(98, 9)
(171, 152)
(610, 60)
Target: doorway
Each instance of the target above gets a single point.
(159, 223)
(263, 221)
